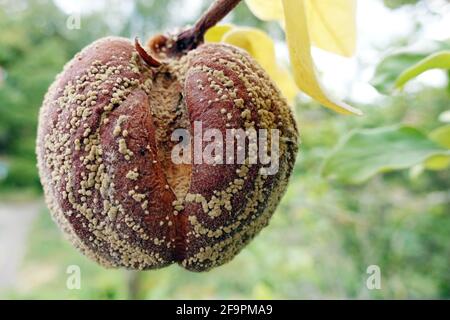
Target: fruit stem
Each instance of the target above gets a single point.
(193, 37)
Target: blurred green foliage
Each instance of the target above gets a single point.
(394, 4)
(324, 234)
(392, 66)
(363, 153)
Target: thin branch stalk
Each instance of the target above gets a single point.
(193, 37)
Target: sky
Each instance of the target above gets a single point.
(346, 78)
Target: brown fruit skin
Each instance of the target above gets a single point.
(103, 142)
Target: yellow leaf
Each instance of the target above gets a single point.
(331, 23)
(302, 63)
(215, 34)
(266, 9)
(261, 47)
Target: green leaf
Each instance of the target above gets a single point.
(441, 136)
(436, 163)
(389, 69)
(365, 152)
(394, 4)
(438, 60)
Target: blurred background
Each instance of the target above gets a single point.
(325, 233)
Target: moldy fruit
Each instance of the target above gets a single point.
(104, 153)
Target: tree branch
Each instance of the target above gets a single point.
(193, 37)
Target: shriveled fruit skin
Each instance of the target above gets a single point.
(104, 147)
